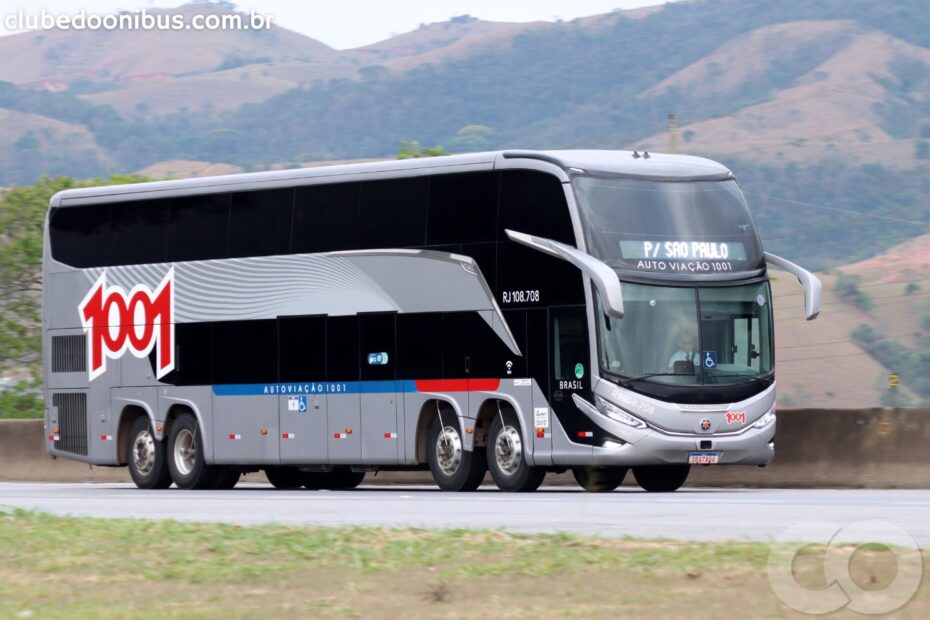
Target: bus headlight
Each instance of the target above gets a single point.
(616, 413)
(765, 420)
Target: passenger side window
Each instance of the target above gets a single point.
(462, 207)
(534, 203)
(419, 346)
(78, 235)
(260, 223)
(342, 348)
(392, 213)
(302, 348)
(325, 218)
(139, 232)
(199, 227)
(245, 352)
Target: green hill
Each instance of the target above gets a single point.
(822, 107)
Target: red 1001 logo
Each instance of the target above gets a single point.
(116, 321)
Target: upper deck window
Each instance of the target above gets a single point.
(668, 227)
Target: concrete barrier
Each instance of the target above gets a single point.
(833, 448)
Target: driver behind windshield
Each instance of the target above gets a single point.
(687, 352)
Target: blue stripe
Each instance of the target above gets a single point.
(315, 387)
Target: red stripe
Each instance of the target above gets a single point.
(458, 385)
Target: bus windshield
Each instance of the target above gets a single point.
(668, 227)
(688, 336)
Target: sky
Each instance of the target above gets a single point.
(351, 23)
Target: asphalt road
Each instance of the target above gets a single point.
(689, 514)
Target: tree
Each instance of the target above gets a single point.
(413, 150)
(22, 218)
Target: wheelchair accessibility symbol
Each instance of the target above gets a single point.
(297, 403)
(710, 359)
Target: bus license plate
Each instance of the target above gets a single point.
(703, 458)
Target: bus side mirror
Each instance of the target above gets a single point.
(604, 278)
(813, 288)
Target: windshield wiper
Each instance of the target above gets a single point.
(660, 374)
(751, 377)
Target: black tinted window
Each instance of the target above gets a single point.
(78, 235)
(342, 348)
(462, 207)
(392, 213)
(139, 232)
(198, 228)
(534, 203)
(325, 218)
(245, 352)
(302, 348)
(260, 222)
(194, 362)
(467, 346)
(419, 346)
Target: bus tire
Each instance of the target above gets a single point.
(146, 457)
(661, 478)
(599, 479)
(453, 467)
(227, 479)
(506, 456)
(341, 480)
(285, 477)
(185, 455)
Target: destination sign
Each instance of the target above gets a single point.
(683, 256)
(683, 250)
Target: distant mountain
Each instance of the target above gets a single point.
(812, 102)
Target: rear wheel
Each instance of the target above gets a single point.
(185, 456)
(661, 478)
(285, 477)
(227, 479)
(506, 456)
(453, 467)
(145, 455)
(599, 479)
(342, 479)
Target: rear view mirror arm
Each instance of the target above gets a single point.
(604, 278)
(813, 288)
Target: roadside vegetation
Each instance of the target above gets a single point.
(22, 216)
(55, 567)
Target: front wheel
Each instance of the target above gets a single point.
(148, 463)
(599, 479)
(453, 467)
(661, 478)
(506, 456)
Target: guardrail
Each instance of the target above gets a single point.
(841, 448)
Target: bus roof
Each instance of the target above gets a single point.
(563, 163)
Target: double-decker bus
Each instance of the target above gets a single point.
(516, 312)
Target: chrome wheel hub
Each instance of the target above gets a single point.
(448, 450)
(143, 453)
(185, 452)
(508, 450)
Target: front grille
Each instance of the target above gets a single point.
(72, 421)
(68, 353)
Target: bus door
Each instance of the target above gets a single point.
(569, 356)
(378, 388)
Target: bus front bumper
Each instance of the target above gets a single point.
(651, 447)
